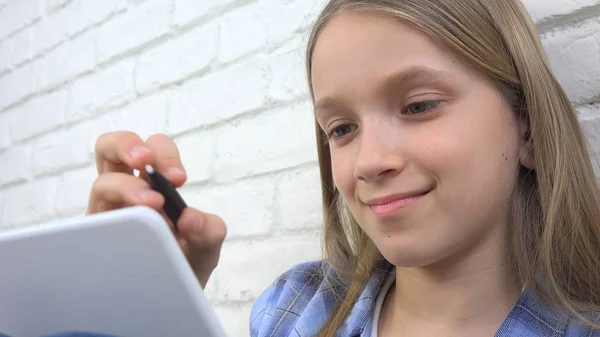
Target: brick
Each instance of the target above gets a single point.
(261, 263)
(591, 129)
(285, 18)
(101, 90)
(17, 85)
(544, 9)
(3, 223)
(210, 290)
(52, 68)
(29, 203)
(246, 207)
(574, 59)
(39, 115)
(50, 31)
(5, 56)
(52, 5)
(271, 141)
(17, 14)
(197, 155)
(74, 191)
(300, 210)
(237, 318)
(17, 49)
(61, 150)
(134, 28)
(5, 119)
(69, 60)
(86, 13)
(82, 54)
(146, 116)
(288, 72)
(14, 165)
(219, 95)
(98, 126)
(190, 10)
(595, 159)
(241, 32)
(159, 66)
(588, 111)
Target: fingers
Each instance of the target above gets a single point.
(201, 237)
(121, 151)
(113, 190)
(167, 159)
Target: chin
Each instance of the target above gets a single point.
(409, 256)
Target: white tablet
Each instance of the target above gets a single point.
(120, 272)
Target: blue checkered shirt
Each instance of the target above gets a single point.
(300, 301)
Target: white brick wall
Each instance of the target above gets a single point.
(225, 78)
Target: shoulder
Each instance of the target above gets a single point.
(534, 315)
(577, 328)
(306, 293)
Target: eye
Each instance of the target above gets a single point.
(341, 130)
(420, 107)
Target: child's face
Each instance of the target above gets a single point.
(409, 117)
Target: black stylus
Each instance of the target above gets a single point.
(174, 204)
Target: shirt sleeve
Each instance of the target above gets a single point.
(259, 310)
(292, 298)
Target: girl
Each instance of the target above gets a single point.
(458, 193)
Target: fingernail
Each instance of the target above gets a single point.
(175, 172)
(139, 151)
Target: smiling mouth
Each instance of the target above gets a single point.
(393, 205)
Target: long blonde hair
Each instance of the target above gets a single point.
(555, 207)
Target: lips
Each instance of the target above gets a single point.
(395, 197)
(391, 205)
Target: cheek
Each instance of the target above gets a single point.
(475, 166)
(342, 167)
(467, 142)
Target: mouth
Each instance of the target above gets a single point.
(392, 205)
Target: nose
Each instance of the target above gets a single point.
(379, 155)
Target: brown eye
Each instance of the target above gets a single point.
(420, 107)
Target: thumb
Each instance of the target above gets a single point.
(203, 232)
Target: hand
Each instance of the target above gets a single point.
(200, 235)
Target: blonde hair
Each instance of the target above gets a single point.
(555, 208)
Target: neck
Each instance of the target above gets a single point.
(471, 293)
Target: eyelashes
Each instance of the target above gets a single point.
(341, 128)
(421, 107)
(412, 109)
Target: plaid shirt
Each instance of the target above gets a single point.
(299, 302)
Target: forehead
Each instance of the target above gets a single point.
(359, 49)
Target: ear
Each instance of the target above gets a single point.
(526, 153)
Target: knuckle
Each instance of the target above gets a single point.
(100, 141)
(126, 133)
(120, 135)
(118, 181)
(98, 184)
(221, 235)
(157, 137)
(220, 232)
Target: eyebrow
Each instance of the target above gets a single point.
(393, 80)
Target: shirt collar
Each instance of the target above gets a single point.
(530, 317)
